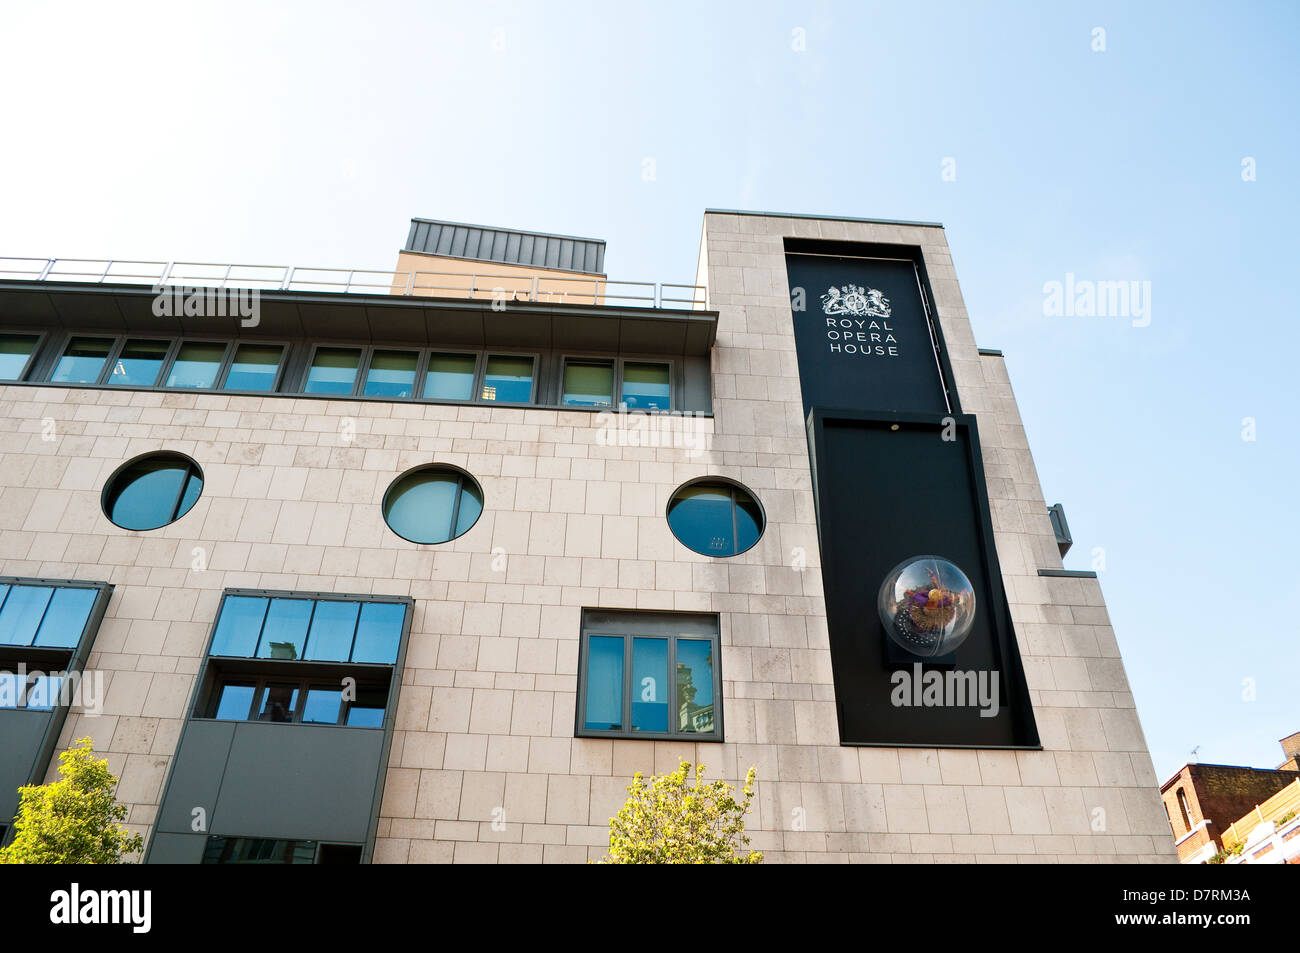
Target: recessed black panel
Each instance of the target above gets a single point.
(884, 496)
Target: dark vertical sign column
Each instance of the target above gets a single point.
(897, 474)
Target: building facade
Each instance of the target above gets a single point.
(407, 568)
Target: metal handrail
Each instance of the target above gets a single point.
(549, 288)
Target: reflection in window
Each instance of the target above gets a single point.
(508, 379)
(257, 850)
(43, 692)
(139, 364)
(234, 701)
(648, 675)
(152, 491)
(604, 711)
(285, 633)
(378, 632)
(279, 702)
(196, 364)
(588, 384)
(715, 519)
(82, 361)
(239, 626)
(368, 709)
(254, 367)
(432, 505)
(333, 371)
(322, 706)
(65, 618)
(450, 377)
(695, 686)
(332, 626)
(391, 374)
(15, 351)
(645, 386)
(22, 612)
(649, 684)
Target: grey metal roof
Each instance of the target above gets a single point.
(507, 245)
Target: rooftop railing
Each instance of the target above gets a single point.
(552, 289)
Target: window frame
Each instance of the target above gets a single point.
(656, 626)
(617, 362)
(227, 358)
(302, 683)
(193, 468)
(480, 366)
(461, 476)
(119, 345)
(42, 338)
(732, 486)
(480, 380)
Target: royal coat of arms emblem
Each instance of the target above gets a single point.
(857, 301)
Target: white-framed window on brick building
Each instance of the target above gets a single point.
(649, 675)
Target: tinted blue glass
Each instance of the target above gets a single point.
(379, 632)
(471, 507)
(279, 702)
(645, 386)
(391, 374)
(196, 365)
(695, 686)
(332, 627)
(239, 626)
(256, 850)
(66, 617)
(604, 711)
(333, 371)
(588, 385)
(366, 717)
(254, 367)
(508, 379)
(322, 706)
(139, 364)
(450, 377)
(419, 506)
(649, 684)
(15, 349)
(148, 494)
(235, 702)
(22, 612)
(82, 361)
(285, 632)
(749, 522)
(43, 692)
(700, 517)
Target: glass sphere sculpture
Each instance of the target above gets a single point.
(927, 605)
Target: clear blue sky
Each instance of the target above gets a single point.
(311, 133)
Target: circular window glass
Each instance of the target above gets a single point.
(433, 504)
(715, 518)
(152, 491)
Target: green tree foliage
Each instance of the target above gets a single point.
(671, 821)
(74, 820)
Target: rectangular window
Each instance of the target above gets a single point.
(260, 850)
(508, 380)
(588, 384)
(15, 354)
(139, 363)
(254, 368)
(450, 377)
(333, 371)
(645, 386)
(41, 624)
(391, 374)
(649, 675)
(82, 361)
(196, 364)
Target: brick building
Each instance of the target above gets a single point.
(1204, 800)
(422, 566)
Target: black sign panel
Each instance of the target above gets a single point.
(889, 490)
(862, 334)
(896, 476)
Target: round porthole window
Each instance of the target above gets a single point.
(433, 504)
(715, 517)
(151, 491)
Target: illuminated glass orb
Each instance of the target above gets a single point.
(927, 605)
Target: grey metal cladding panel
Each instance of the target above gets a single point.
(177, 848)
(507, 246)
(441, 241)
(196, 775)
(311, 782)
(21, 733)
